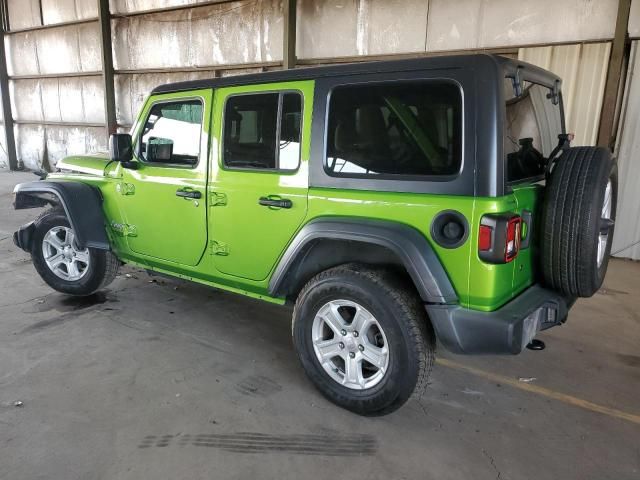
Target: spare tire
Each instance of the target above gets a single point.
(579, 211)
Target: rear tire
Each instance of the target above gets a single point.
(397, 323)
(578, 226)
(56, 257)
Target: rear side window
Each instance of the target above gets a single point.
(262, 131)
(407, 129)
(171, 133)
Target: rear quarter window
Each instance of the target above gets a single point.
(407, 129)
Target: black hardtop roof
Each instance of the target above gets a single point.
(476, 61)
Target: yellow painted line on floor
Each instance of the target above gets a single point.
(545, 392)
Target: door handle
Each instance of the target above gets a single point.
(188, 194)
(275, 202)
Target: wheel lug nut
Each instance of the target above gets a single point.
(341, 345)
(361, 348)
(352, 355)
(343, 332)
(355, 334)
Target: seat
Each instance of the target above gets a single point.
(361, 138)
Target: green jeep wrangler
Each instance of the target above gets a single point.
(395, 203)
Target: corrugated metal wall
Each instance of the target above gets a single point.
(61, 114)
(4, 157)
(55, 116)
(330, 28)
(583, 69)
(626, 241)
(236, 35)
(634, 19)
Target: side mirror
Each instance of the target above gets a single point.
(121, 149)
(160, 149)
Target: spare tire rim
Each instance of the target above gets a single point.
(603, 237)
(62, 255)
(350, 344)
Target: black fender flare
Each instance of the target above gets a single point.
(81, 202)
(409, 245)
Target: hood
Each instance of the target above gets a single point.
(90, 164)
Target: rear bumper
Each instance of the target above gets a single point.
(504, 331)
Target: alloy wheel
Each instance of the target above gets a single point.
(350, 344)
(62, 255)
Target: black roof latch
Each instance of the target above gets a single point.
(554, 94)
(517, 83)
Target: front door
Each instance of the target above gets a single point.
(259, 180)
(164, 199)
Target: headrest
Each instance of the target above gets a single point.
(345, 135)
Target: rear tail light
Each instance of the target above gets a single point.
(513, 239)
(499, 237)
(484, 240)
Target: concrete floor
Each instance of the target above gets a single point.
(164, 380)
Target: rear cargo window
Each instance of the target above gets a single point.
(533, 123)
(399, 130)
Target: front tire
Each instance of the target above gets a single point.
(62, 264)
(363, 338)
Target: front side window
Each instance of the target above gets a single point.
(533, 123)
(262, 131)
(171, 133)
(408, 129)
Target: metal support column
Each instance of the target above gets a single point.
(606, 133)
(289, 35)
(7, 115)
(104, 17)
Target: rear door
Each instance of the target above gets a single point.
(259, 178)
(533, 122)
(529, 207)
(164, 198)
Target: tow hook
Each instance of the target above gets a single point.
(536, 344)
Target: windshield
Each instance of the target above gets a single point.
(533, 123)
